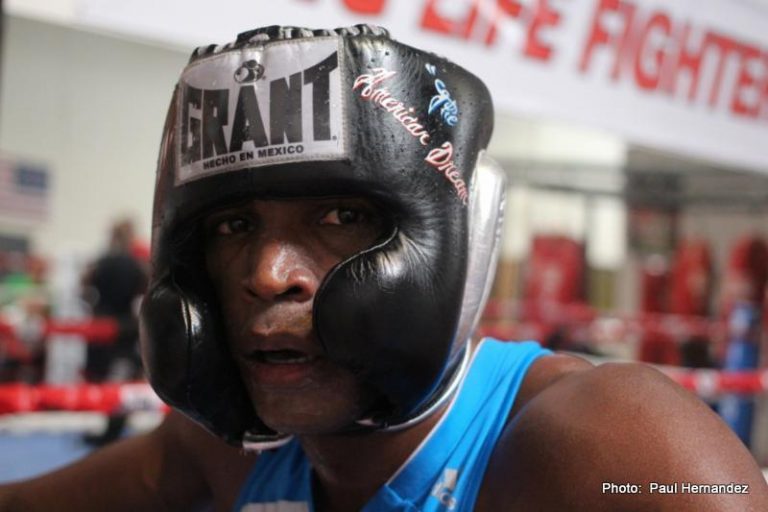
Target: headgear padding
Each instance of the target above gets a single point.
(289, 112)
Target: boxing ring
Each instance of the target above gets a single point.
(41, 425)
(33, 443)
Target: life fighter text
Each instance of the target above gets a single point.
(205, 114)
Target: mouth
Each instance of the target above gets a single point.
(281, 357)
(281, 369)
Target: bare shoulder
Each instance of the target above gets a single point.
(581, 428)
(545, 372)
(176, 466)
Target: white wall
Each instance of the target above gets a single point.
(523, 139)
(91, 108)
(527, 147)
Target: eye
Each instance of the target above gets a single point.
(230, 225)
(344, 215)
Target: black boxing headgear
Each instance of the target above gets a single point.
(290, 112)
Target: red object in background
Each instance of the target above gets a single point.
(691, 278)
(747, 274)
(555, 270)
(106, 398)
(140, 251)
(658, 347)
(99, 330)
(654, 285)
(765, 322)
(365, 6)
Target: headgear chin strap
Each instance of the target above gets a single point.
(290, 112)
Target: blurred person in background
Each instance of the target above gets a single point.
(24, 310)
(113, 285)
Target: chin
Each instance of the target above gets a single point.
(308, 413)
(295, 421)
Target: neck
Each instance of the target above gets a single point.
(349, 469)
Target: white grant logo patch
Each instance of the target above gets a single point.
(261, 105)
(277, 506)
(443, 489)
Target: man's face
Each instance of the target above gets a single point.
(267, 260)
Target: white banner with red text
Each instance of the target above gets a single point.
(689, 76)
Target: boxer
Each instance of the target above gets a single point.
(326, 222)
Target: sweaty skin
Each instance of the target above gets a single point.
(572, 427)
(267, 260)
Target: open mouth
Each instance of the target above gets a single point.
(281, 357)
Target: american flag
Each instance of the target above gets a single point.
(24, 190)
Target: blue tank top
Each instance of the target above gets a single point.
(443, 474)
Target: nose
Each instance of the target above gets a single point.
(280, 270)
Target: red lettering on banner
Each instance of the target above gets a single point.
(627, 46)
(747, 83)
(432, 20)
(365, 6)
(511, 8)
(660, 52)
(481, 18)
(658, 24)
(597, 34)
(622, 14)
(469, 25)
(631, 41)
(764, 89)
(543, 16)
(687, 60)
(726, 46)
(478, 21)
